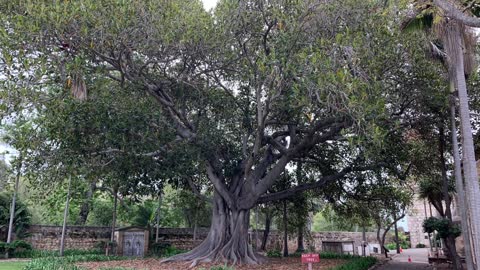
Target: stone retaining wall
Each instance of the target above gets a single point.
(77, 237)
(85, 237)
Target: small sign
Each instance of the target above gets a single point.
(310, 258)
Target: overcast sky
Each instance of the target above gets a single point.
(209, 4)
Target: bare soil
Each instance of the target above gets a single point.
(154, 264)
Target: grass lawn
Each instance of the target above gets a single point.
(12, 265)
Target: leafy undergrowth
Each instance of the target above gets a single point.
(67, 262)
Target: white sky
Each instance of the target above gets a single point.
(209, 4)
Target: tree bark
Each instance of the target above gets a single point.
(459, 186)
(469, 163)
(227, 240)
(266, 232)
(285, 230)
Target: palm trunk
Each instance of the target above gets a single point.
(469, 163)
(460, 189)
(227, 239)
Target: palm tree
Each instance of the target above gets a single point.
(458, 42)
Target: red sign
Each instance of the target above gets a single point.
(310, 258)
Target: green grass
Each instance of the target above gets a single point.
(12, 265)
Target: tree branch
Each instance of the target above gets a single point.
(456, 14)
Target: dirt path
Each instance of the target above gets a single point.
(154, 264)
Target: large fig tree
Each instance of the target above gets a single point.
(251, 89)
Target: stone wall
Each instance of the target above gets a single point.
(86, 237)
(315, 240)
(78, 237)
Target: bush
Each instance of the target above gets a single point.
(274, 253)
(357, 263)
(332, 255)
(420, 245)
(157, 249)
(14, 247)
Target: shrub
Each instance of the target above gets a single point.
(14, 247)
(332, 255)
(357, 263)
(275, 253)
(156, 249)
(420, 245)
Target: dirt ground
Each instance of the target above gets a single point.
(154, 264)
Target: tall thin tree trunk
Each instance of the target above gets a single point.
(459, 186)
(157, 225)
(300, 247)
(397, 241)
(256, 228)
(13, 205)
(114, 222)
(266, 232)
(285, 229)
(364, 240)
(65, 217)
(469, 163)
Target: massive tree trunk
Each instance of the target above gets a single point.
(454, 46)
(266, 232)
(227, 240)
(459, 186)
